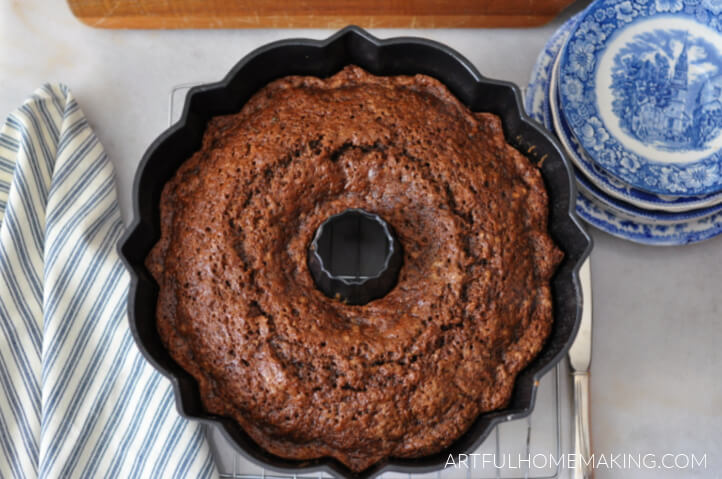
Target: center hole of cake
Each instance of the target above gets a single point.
(353, 246)
(354, 257)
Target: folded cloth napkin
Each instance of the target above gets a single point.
(77, 397)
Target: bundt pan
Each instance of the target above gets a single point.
(395, 56)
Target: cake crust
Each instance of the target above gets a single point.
(307, 376)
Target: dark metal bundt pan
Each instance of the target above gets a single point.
(395, 56)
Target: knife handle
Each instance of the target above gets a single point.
(582, 450)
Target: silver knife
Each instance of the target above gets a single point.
(580, 359)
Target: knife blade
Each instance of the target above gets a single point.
(580, 359)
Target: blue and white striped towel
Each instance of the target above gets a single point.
(78, 399)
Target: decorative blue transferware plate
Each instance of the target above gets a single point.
(612, 186)
(641, 92)
(542, 81)
(606, 220)
(536, 96)
(626, 211)
(648, 230)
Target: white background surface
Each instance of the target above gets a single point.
(656, 383)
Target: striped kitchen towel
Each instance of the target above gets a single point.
(77, 399)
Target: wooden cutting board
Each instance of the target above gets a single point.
(315, 13)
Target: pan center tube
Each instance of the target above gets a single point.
(355, 257)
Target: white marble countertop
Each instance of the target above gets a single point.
(656, 386)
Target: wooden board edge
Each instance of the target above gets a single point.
(174, 22)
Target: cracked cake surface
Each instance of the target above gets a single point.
(307, 376)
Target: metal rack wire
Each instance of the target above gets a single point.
(539, 433)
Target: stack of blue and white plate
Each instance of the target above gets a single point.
(633, 90)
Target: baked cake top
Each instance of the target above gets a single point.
(307, 376)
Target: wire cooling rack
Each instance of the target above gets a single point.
(537, 436)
